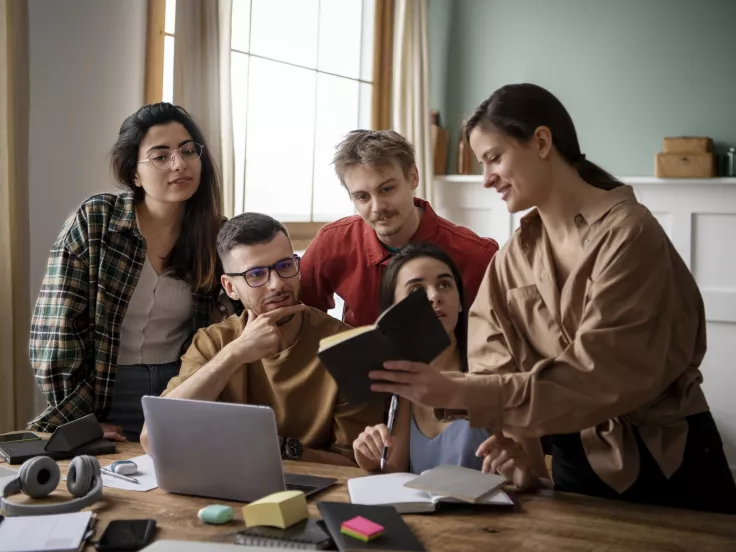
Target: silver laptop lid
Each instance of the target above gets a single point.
(214, 449)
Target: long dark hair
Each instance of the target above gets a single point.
(518, 110)
(417, 250)
(194, 256)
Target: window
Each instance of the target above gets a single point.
(168, 68)
(302, 77)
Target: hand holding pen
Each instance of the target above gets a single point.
(391, 418)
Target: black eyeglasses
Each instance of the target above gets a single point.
(260, 275)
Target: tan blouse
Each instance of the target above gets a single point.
(294, 383)
(618, 346)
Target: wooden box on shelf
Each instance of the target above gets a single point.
(687, 144)
(685, 165)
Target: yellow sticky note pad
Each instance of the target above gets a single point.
(282, 510)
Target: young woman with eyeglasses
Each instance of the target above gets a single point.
(130, 277)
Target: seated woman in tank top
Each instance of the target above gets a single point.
(418, 441)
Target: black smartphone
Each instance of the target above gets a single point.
(126, 534)
(19, 436)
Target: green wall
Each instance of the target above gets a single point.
(628, 71)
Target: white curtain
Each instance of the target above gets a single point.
(202, 80)
(410, 88)
(16, 378)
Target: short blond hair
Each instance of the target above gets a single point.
(374, 149)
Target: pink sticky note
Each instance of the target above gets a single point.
(363, 526)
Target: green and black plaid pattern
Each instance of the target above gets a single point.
(92, 272)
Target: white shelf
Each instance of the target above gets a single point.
(676, 181)
(633, 180)
(459, 178)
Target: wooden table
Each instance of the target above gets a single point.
(543, 521)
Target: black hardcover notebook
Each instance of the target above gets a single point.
(409, 330)
(17, 453)
(309, 534)
(396, 533)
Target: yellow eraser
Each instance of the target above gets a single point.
(282, 510)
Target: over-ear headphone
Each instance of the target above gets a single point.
(39, 476)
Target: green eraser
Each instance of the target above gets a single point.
(216, 514)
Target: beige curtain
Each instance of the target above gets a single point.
(202, 80)
(410, 93)
(16, 379)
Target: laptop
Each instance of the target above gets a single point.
(220, 450)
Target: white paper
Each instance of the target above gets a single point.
(385, 489)
(146, 476)
(6, 476)
(57, 533)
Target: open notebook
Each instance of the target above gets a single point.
(389, 490)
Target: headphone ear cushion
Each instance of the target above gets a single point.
(82, 475)
(39, 476)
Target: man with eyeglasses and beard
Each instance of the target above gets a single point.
(268, 355)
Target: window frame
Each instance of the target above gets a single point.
(155, 33)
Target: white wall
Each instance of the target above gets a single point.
(87, 62)
(699, 216)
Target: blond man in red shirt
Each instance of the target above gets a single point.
(347, 257)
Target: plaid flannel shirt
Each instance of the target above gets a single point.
(92, 272)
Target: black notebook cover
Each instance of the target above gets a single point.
(305, 535)
(396, 533)
(80, 436)
(17, 453)
(75, 434)
(409, 330)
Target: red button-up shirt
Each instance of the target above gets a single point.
(347, 258)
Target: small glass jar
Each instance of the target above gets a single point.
(729, 162)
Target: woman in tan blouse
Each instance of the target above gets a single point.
(588, 326)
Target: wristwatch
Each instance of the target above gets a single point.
(291, 449)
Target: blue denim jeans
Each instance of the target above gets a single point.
(131, 384)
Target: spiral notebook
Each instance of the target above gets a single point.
(305, 535)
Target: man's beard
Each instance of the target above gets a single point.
(294, 301)
(382, 230)
(285, 320)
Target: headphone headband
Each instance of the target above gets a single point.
(16, 485)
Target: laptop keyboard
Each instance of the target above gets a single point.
(295, 487)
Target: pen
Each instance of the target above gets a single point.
(391, 418)
(121, 476)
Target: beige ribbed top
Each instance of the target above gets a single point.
(158, 319)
